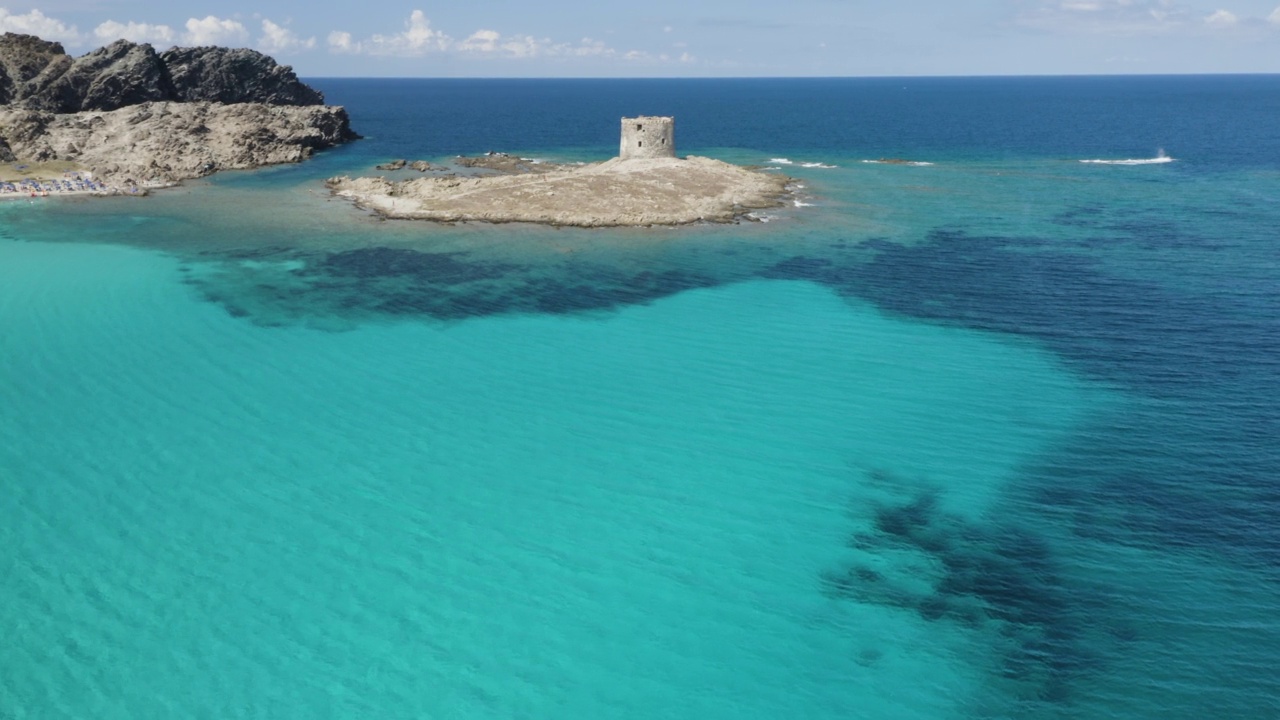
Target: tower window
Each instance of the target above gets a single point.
(640, 143)
(639, 127)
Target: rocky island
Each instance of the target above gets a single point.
(645, 185)
(126, 114)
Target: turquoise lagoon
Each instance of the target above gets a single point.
(988, 437)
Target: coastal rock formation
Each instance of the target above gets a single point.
(39, 75)
(658, 191)
(502, 162)
(226, 75)
(126, 111)
(165, 142)
(401, 164)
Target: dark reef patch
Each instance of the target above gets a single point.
(989, 574)
(425, 267)
(1199, 466)
(1143, 334)
(278, 286)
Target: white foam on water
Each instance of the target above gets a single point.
(804, 164)
(1132, 161)
(911, 163)
(1160, 159)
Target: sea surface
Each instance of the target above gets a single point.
(989, 430)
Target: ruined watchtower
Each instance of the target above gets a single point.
(648, 137)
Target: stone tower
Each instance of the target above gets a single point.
(648, 137)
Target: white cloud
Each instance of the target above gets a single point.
(278, 39)
(481, 41)
(418, 38)
(1274, 17)
(341, 42)
(111, 30)
(1121, 17)
(215, 31)
(37, 23)
(1222, 19)
(493, 43)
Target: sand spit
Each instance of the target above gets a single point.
(631, 192)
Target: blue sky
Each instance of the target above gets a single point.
(670, 38)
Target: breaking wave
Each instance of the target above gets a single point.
(786, 161)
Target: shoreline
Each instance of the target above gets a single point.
(41, 183)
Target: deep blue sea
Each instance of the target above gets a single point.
(985, 431)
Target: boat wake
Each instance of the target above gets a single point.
(1159, 159)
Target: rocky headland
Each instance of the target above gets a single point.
(617, 192)
(128, 113)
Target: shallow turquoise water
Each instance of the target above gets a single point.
(318, 524)
(992, 437)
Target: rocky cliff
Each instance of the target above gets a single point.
(39, 75)
(225, 75)
(125, 109)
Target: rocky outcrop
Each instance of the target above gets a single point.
(165, 142)
(125, 111)
(22, 59)
(659, 191)
(39, 75)
(226, 75)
